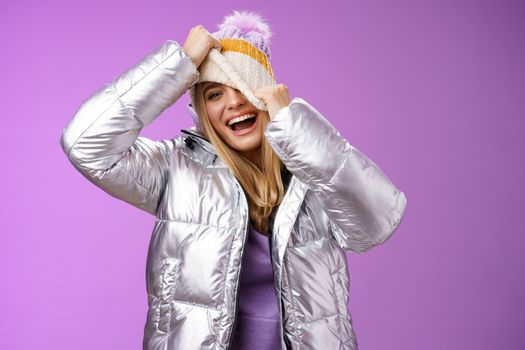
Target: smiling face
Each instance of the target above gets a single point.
(234, 118)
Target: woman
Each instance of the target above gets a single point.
(255, 205)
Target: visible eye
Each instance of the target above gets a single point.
(212, 95)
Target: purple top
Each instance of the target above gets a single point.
(257, 325)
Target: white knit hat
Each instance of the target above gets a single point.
(244, 62)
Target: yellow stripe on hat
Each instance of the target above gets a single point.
(244, 47)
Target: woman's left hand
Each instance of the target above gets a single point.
(275, 97)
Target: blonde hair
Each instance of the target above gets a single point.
(263, 187)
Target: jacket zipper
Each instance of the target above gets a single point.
(246, 225)
(286, 177)
(281, 322)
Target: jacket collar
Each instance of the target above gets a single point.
(198, 137)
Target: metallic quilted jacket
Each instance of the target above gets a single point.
(336, 200)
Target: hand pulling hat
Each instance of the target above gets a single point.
(244, 62)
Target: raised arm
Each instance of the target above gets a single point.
(102, 139)
(363, 205)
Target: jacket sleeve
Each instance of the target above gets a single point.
(102, 139)
(363, 206)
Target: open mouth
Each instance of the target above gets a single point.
(244, 124)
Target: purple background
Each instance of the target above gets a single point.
(432, 91)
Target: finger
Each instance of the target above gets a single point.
(216, 43)
(259, 96)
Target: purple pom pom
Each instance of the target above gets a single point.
(246, 22)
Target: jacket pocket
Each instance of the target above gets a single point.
(167, 276)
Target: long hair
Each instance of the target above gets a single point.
(263, 187)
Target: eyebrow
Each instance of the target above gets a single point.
(210, 86)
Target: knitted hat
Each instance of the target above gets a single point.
(244, 62)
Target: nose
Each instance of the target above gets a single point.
(235, 98)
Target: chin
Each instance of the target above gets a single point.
(247, 144)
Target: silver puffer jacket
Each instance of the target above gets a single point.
(337, 200)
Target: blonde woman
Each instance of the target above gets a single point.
(255, 204)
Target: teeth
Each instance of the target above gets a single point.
(241, 118)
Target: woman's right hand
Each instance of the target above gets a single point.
(198, 43)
